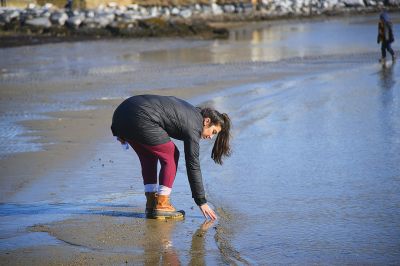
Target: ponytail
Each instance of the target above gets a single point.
(221, 145)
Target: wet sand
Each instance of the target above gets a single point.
(115, 236)
(73, 226)
(114, 233)
(74, 197)
(110, 234)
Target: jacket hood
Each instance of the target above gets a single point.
(384, 16)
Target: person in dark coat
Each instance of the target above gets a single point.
(147, 123)
(385, 36)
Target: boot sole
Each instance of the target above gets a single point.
(149, 214)
(161, 215)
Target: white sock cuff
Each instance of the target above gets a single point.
(150, 188)
(163, 190)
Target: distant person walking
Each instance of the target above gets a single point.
(385, 36)
(147, 123)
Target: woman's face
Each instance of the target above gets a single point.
(209, 130)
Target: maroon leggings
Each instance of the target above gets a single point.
(167, 154)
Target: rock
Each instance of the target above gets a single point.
(229, 8)
(77, 13)
(31, 6)
(39, 22)
(207, 11)
(90, 14)
(198, 8)
(122, 29)
(75, 21)
(394, 2)
(122, 9)
(48, 6)
(58, 18)
(118, 12)
(109, 16)
(340, 5)
(166, 12)
(27, 15)
(95, 23)
(186, 13)
(154, 12)
(134, 7)
(330, 4)
(45, 13)
(99, 20)
(353, 3)
(143, 11)
(129, 18)
(370, 2)
(248, 8)
(297, 5)
(9, 16)
(153, 23)
(108, 9)
(216, 9)
(175, 11)
(112, 5)
(100, 8)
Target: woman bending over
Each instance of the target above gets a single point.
(147, 123)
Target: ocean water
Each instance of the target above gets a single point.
(315, 176)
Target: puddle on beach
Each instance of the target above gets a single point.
(314, 176)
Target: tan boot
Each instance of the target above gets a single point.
(165, 210)
(150, 203)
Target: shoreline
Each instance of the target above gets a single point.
(216, 27)
(148, 29)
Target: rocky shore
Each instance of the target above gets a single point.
(36, 24)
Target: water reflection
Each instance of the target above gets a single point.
(160, 249)
(255, 42)
(197, 250)
(386, 76)
(388, 114)
(270, 41)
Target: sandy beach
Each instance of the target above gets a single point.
(70, 195)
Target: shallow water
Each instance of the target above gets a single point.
(63, 76)
(314, 177)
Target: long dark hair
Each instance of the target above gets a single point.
(221, 145)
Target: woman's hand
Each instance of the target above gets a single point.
(206, 225)
(208, 212)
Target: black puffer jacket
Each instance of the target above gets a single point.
(153, 119)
